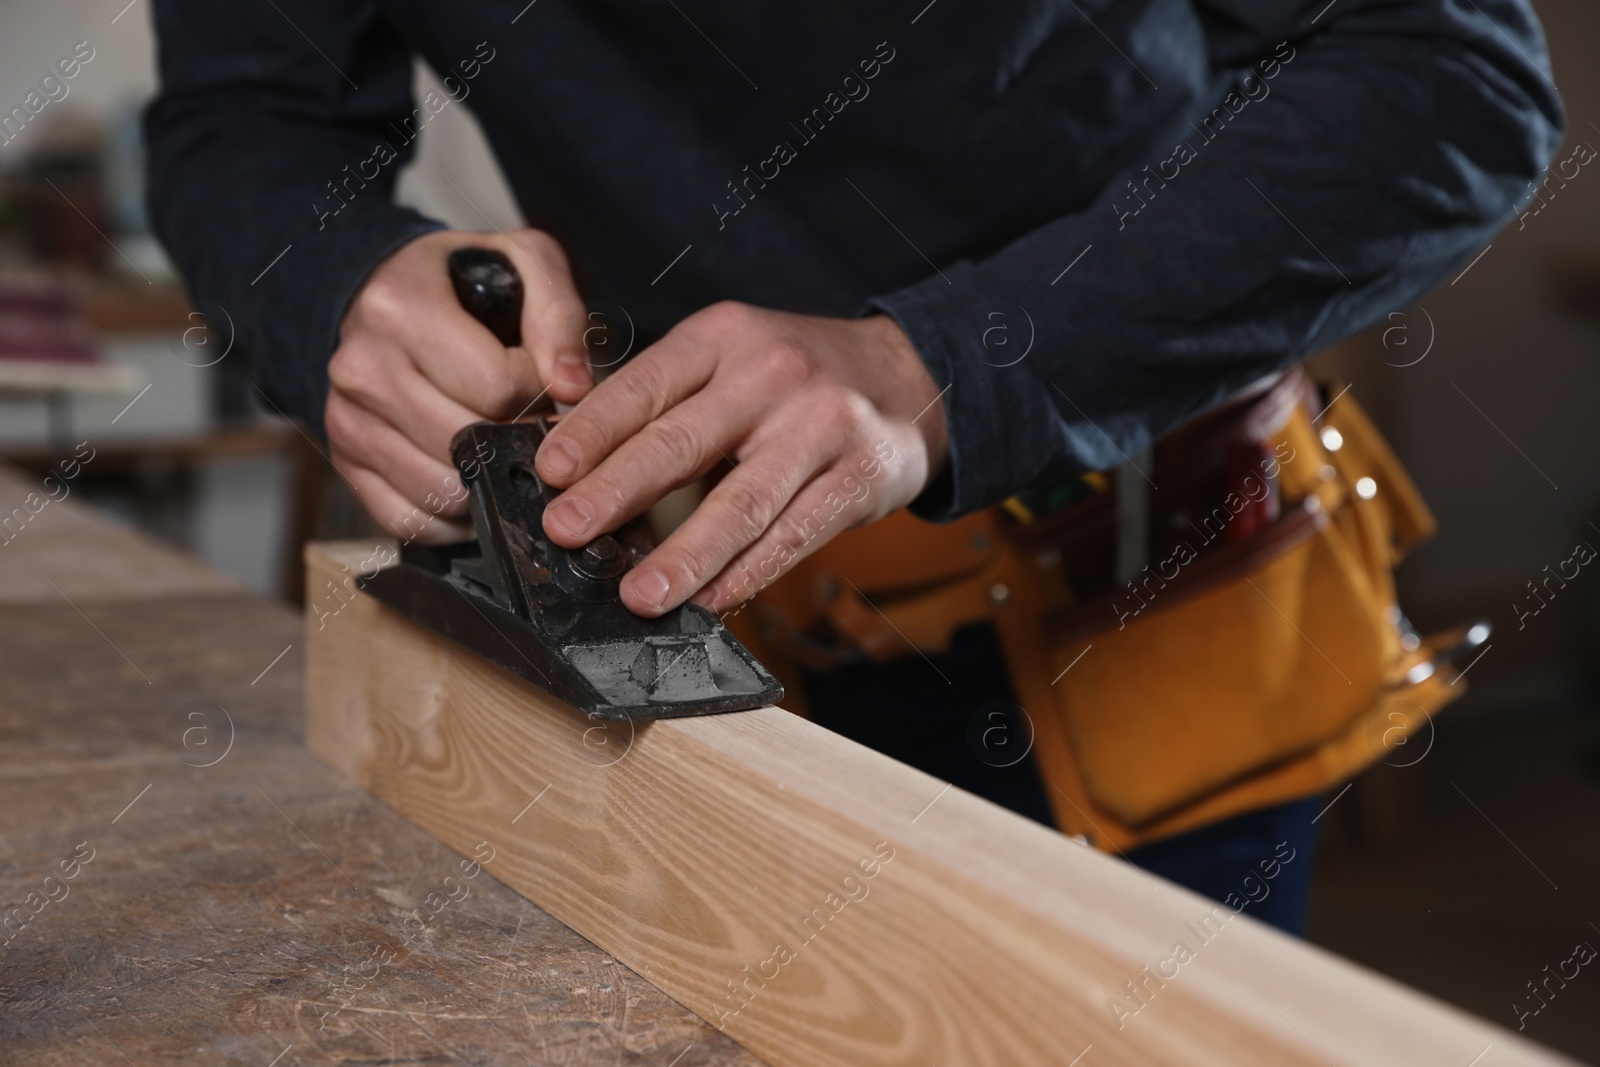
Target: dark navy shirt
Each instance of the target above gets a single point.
(1092, 217)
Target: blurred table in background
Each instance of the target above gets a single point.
(126, 371)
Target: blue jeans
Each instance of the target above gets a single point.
(1261, 859)
(954, 720)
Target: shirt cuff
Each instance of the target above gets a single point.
(339, 260)
(1002, 427)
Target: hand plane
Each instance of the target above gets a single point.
(549, 614)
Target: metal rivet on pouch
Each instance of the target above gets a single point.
(999, 594)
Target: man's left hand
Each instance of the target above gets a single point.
(827, 423)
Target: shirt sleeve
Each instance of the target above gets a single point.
(1352, 155)
(270, 175)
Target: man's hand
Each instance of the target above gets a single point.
(829, 423)
(412, 368)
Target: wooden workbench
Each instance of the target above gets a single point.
(150, 720)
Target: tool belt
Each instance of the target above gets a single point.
(1211, 631)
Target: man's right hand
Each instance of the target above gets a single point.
(413, 367)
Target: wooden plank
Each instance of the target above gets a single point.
(244, 904)
(824, 904)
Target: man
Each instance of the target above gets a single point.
(812, 217)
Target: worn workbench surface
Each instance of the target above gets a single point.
(231, 899)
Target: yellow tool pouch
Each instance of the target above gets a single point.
(1255, 657)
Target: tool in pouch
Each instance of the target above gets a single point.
(548, 614)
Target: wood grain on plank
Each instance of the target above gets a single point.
(824, 904)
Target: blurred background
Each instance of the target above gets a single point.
(1464, 866)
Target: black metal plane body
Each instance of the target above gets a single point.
(552, 615)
